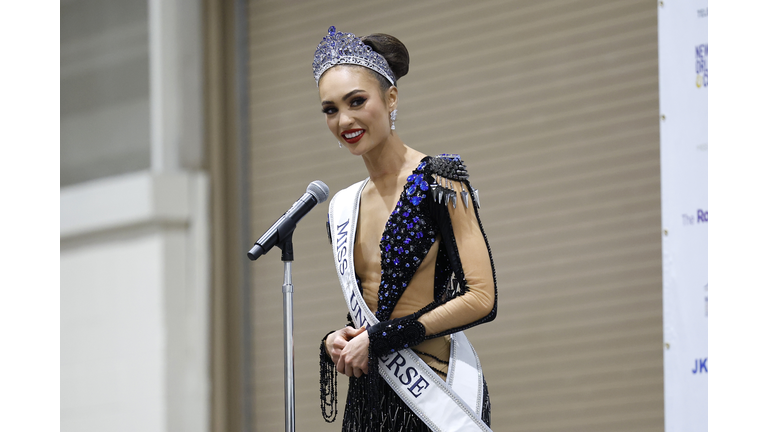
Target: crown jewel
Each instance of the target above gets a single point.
(346, 48)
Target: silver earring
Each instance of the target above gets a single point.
(340, 144)
(393, 117)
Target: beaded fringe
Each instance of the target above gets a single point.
(328, 386)
(392, 414)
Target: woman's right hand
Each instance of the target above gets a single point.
(337, 341)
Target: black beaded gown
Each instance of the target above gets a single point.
(434, 229)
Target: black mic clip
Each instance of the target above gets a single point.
(286, 245)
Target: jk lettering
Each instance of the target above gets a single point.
(700, 366)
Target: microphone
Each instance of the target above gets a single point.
(317, 192)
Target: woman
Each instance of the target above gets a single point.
(411, 255)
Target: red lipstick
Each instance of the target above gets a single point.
(352, 136)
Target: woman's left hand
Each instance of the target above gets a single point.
(354, 356)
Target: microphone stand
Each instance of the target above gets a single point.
(290, 388)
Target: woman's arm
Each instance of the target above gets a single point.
(470, 260)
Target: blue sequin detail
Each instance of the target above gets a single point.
(407, 233)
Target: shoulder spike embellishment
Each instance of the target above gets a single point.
(448, 168)
(452, 194)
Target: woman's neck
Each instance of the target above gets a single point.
(388, 159)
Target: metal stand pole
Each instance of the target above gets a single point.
(290, 387)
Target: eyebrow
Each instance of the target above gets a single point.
(346, 96)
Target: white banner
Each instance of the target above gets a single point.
(683, 83)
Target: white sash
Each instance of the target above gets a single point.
(445, 406)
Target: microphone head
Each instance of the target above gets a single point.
(319, 190)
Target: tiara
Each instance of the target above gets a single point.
(346, 48)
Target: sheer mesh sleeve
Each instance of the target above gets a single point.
(470, 260)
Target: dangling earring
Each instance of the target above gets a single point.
(340, 144)
(393, 117)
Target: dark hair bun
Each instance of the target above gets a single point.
(393, 51)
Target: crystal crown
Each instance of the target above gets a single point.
(346, 48)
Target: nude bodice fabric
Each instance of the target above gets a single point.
(475, 258)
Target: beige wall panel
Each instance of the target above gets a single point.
(554, 107)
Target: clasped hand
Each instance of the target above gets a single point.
(348, 348)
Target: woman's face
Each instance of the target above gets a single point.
(354, 108)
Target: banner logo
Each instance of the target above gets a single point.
(701, 216)
(702, 65)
